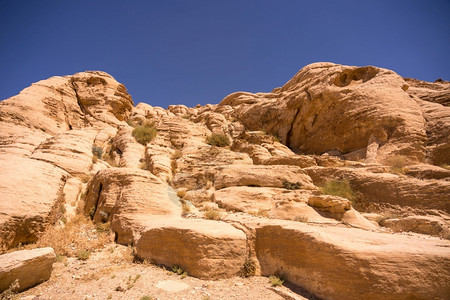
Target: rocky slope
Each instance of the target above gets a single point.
(338, 181)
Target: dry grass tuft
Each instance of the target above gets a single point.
(85, 178)
(398, 164)
(340, 188)
(301, 218)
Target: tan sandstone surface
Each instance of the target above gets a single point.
(338, 182)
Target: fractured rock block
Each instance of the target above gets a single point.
(28, 267)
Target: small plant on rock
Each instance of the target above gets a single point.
(179, 271)
(249, 268)
(219, 140)
(276, 281)
(144, 133)
(291, 185)
(83, 254)
(131, 281)
(97, 151)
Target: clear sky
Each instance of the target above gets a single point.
(197, 52)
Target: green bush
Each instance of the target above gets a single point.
(144, 134)
(291, 185)
(218, 140)
(340, 188)
(276, 281)
(97, 151)
(249, 268)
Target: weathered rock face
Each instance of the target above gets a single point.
(67, 147)
(28, 267)
(438, 91)
(346, 108)
(69, 102)
(389, 188)
(31, 192)
(101, 96)
(118, 194)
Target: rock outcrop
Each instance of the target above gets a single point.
(320, 182)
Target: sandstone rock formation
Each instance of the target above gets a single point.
(28, 267)
(321, 181)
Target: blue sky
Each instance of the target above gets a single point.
(197, 52)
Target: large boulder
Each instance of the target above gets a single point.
(28, 267)
(203, 248)
(347, 263)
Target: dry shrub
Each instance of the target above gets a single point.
(145, 133)
(218, 140)
(263, 212)
(212, 214)
(78, 237)
(173, 165)
(181, 193)
(185, 206)
(398, 164)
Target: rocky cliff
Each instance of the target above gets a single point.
(317, 181)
